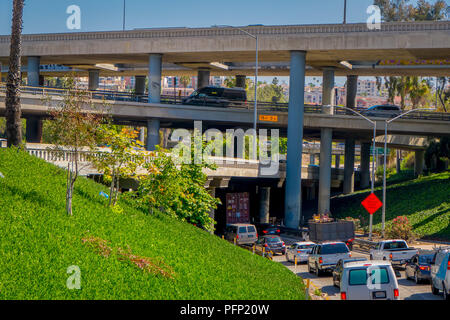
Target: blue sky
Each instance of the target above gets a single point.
(45, 16)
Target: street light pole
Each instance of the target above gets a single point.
(345, 11)
(255, 111)
(386, 122)
(124, 8)
(374, 123)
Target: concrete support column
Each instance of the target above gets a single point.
(264, 208)
(349, 166)
(293, 195)
(203, 78)
(326, 139)
(240, 81)
(352, 89)
(327, 87)
(33, 71)
(33, 132)
(365, 166)
(419, 159)
(94, 79)
(154, 79)
(139, 85)
(337, 161)
(142, 135)
(398, 161)
(152, 134)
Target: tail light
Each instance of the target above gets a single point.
(396, 293)
(424, 268)
(283, 244)
(237, 236)
(320, 260)
(256, 235)
(278, 230)
(350, 255)
(343, 296)
(390, 256)
(448, 265)
(265, 245)
(299, 251)
(264, 231)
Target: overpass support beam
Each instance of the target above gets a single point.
(33, 133)
(33, 67)
(240, 81)
(139, 85)
(365, 166)
(349, 166)
(203, 78)
(337, 161)
(152, 134)
(94, 79)
(154, 79)
(419, 159)
(352, 89)
(326, 139)
(293, 195)
(264, 208)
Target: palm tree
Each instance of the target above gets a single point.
(12, 103)
(185, 81)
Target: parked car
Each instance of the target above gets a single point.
(369, 280)
(265, 229)
(243, 233)
(325, 256)
(419, 267)
(396, 251)
(440, 272)
(3, 143)
(301, 250)
(337, 272)
(385, 111)
(271, 243)
(217, 97)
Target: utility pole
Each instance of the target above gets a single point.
(124, 11)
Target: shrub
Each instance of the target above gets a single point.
(401, 228)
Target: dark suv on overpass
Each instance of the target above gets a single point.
(217, 97)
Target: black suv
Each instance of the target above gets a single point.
(266, 229)
(217, 97)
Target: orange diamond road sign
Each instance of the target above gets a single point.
(372, 203)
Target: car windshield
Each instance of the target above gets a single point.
(305, 246)
(395, 245)
(274, 239)
(334, 248)
(426, 258)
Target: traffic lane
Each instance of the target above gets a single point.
(408, 289)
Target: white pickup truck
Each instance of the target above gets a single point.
(396, 251)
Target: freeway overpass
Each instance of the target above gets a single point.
(398, 48)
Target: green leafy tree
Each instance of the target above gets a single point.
(122, 161)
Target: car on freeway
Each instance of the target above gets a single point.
(369, 280)
(419, 267)
(325, 256)
(242, 232)
(337, 272)
(266, 229)
(217, 97)
(271, 243)
(385, 111)
(396, 251)
(440, 272)
(301, 250)
(3, 143)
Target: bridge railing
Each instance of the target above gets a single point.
(248, 105)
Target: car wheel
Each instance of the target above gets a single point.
(434, 290)
(371, 257)
(334, 282)
(446, 296)
(416, 278)
(287, 257)
(309, 268)
(317, 271)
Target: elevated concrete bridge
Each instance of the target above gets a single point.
(400, 48)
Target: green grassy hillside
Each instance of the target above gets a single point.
(425, 201)
(38, 242)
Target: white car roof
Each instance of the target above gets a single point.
(304, 242)
(373, 263)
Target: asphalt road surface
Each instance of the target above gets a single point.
(407, 288)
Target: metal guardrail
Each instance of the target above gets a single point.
(248, 105)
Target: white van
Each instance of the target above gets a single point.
(242, 232)
(369, 280)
